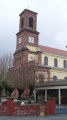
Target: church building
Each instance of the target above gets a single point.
(51, 63)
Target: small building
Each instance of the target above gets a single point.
(53, 89)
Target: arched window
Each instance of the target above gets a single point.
(64, 63)
(41, 79)
(46, 60)
(31, 22)
(22, 22)
(55, 62)
(54, 78)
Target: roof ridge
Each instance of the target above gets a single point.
(52, 48)
(54, 51)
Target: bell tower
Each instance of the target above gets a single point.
(28, 20)
(27, 35)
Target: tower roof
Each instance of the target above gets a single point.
(28, 11)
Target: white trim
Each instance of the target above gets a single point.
(55, 55)
(59, 91)
(52, 67)
(52, 87)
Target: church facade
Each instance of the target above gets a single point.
(51, 63)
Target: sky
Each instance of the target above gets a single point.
(51, 22)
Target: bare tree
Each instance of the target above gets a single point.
(25, 75)
(6, 62)
(16, 78)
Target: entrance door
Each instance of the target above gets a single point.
(40, 96)
(53, 93)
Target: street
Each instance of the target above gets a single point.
(55, 117)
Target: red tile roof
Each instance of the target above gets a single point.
(53, 50)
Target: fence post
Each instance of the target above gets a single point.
(10, 106)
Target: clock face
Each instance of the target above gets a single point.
(20, 40)
(31, 39)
